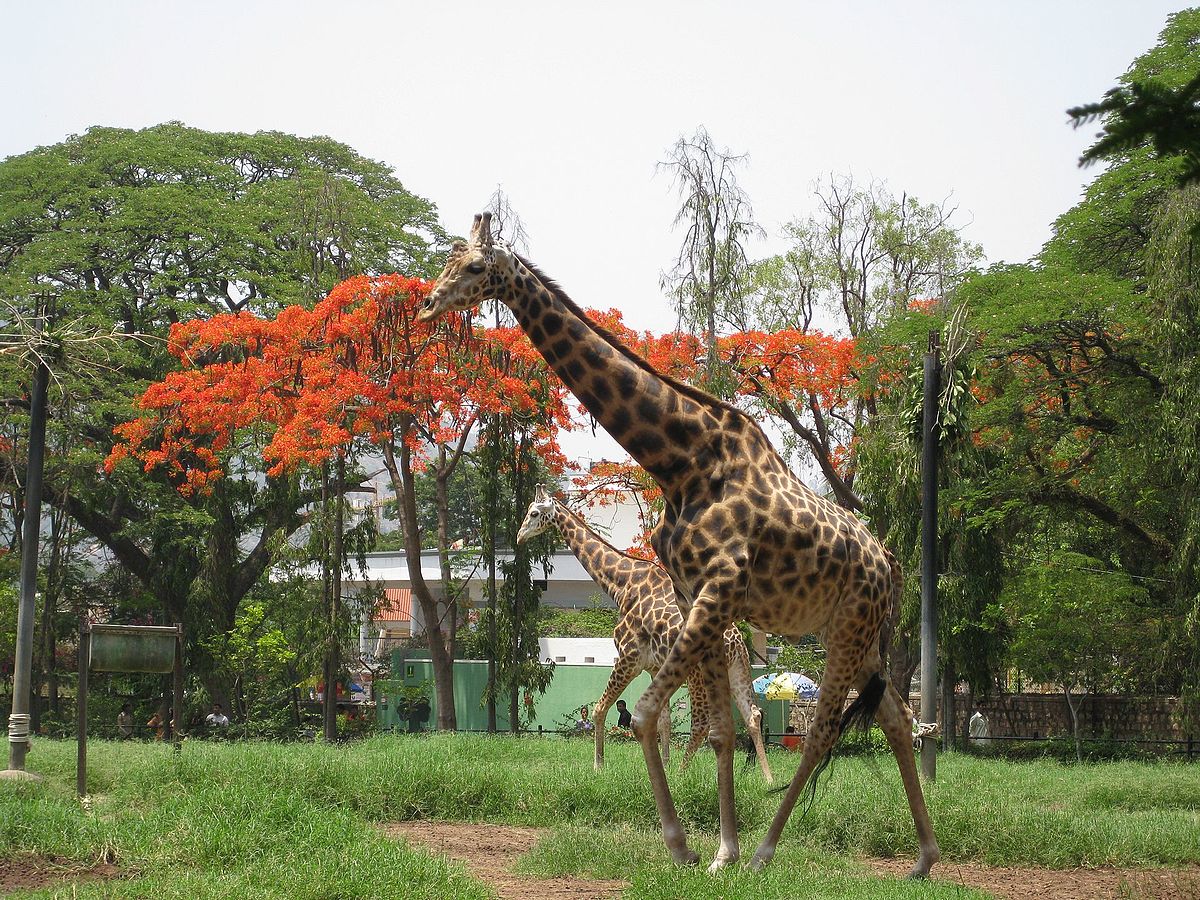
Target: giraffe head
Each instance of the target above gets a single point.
(540, 516)
(470, 274)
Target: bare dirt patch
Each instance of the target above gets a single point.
(28, 872)
(489, 852)
(1061, 884)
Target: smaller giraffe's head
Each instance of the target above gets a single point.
(540, 516)
(468, 278)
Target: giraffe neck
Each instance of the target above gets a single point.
(598, 557)
(661, 422)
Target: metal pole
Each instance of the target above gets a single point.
(929, 489)
(81, 693)
(177, 688)
(18, 720)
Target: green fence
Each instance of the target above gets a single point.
(570, 688)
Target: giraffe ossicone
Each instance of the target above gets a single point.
(742, 538)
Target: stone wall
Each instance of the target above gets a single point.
(1046, 715)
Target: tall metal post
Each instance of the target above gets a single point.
(176, 723)
(81, 695)
(18, 720)
(929, 489)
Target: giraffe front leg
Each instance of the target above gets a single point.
(720, 736)
(625, 669)
(681, 658)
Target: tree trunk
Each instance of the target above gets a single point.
(1072, 709)
(404, 490)
(949, 734)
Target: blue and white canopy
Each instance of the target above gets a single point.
(785, 686)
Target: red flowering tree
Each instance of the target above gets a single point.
(357, 372)
(808, 381)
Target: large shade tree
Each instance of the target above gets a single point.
(142, 229)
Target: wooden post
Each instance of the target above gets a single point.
(81, 693)
(929, 549)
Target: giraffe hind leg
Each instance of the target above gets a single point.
(841, 670)
(740, 686)
(896, 721)
(699, 703)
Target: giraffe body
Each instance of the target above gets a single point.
(741, 537)
(648, 625)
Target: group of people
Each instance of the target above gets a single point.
(585, 723)
(216, 719)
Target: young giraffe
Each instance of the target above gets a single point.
(648, 625)
(741, 536)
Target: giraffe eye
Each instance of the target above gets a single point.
(475, 268)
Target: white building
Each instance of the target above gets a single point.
(565, 583)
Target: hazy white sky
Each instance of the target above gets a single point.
(568, 106)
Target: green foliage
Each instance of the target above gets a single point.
(806, 657)
(131, 231)
(1076, 622)
(1157, 104)
(594, 622)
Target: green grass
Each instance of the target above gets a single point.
(295, 820)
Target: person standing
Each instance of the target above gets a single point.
(624, 716)
(217, 718)
(125, 723)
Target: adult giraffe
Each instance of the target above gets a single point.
(648, 624)
(741, 536)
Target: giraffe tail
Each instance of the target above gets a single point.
(859, 714)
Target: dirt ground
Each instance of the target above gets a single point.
(28, 872)
(1060, 884)
(489, 852)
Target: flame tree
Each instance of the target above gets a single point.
(355, 374)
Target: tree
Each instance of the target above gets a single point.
(1157, 104)
(711, 272)
(864, 258)
(147, 228)
(356, 372)
(1076, 624)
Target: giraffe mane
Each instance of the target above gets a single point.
(574, 515)
(702, 397)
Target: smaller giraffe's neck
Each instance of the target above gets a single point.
(599, 558)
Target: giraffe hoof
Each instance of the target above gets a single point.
(688, 858)
(719, 864)
(758, 861)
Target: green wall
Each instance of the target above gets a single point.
(570, 688)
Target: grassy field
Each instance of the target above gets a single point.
(225, 820)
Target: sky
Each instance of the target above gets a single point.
(568, 106)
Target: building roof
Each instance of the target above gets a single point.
(396, 606)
